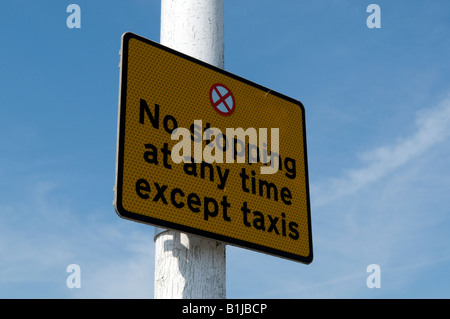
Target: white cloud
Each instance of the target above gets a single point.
(433, 127)
(126, 274)
(41, 235)
(391, 211)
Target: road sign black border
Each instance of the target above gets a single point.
(122, 212)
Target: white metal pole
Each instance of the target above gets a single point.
(188, 266)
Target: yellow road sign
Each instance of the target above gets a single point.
(203, 151)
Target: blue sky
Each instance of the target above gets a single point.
(378, 128)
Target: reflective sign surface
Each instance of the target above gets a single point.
(206, 152)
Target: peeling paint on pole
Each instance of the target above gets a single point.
(194, 27)
(189, 267)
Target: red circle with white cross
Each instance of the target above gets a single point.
(222, 100)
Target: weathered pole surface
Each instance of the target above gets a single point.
(188, 266)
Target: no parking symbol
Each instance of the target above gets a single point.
(222, 99)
